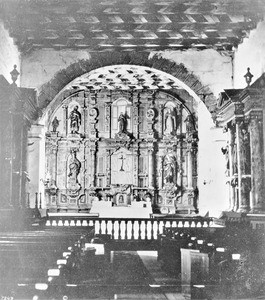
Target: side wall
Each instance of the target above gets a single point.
(9, 55)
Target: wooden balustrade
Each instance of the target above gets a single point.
(129, 229)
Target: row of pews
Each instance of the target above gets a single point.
(31, 260)
(204, 259)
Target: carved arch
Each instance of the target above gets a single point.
(54, 88)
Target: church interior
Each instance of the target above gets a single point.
(132, 149)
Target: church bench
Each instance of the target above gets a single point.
(28, 255)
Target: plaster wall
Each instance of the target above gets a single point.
(9, 55)
(36, 161)
(251, 53)
(40, 66)
(213, 190)
(211, 67)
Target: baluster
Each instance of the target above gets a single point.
(129, 230)
(106, 226)
(152, 229)
(155, 229)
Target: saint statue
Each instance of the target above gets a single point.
(225, 151)
(170, 169)
(121, 199)
(169, 121)
(55, 124)
(245, 148)
(74, 167)
(123, 122)
(189, 124)
(75, 120)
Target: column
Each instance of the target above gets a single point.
(243, 182)
(230, 170)
(65, 117)
(108, 167)
(160, 164)
(92, 165)
(53, 163)
(85, 120)
(136, 120)
(189, 163)
(36, 162)
(257, 162)
(108, 118)
(136, 164)
(150, 168)
(161, 120)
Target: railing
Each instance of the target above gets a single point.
(130, 229)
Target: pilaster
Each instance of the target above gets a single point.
(257, 161)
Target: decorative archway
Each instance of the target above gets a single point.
(61, 86)
(55, 87)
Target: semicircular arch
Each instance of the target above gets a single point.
(55, 91)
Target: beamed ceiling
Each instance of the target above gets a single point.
(130, 25)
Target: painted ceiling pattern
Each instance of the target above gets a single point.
(123, 25)
(125, 78)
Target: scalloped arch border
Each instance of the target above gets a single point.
(54, 87)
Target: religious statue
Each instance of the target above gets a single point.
(75, 120)
(170, 169)
(245, 148)
(234, 156)
(189, 124)
(225, 151)
(170, 120)
(121, 199)
(55, 124)
(123, 122)
(74, 167)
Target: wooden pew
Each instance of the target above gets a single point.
(26, 257)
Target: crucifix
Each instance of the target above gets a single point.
(122, 160)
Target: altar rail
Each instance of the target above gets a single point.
(130, 229)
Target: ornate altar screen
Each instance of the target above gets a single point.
(122, 146)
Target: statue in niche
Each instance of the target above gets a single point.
(234, 157)
(74, 170)
(170, 120)
(123, 123)
(225, 151)
(74, 166)
(75, 120)
(170, 169)
(189, 124)
(121, 199)
(55, 124)
(245, 146)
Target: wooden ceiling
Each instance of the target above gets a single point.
(130, 25)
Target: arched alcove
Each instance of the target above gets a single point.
(160, 89)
